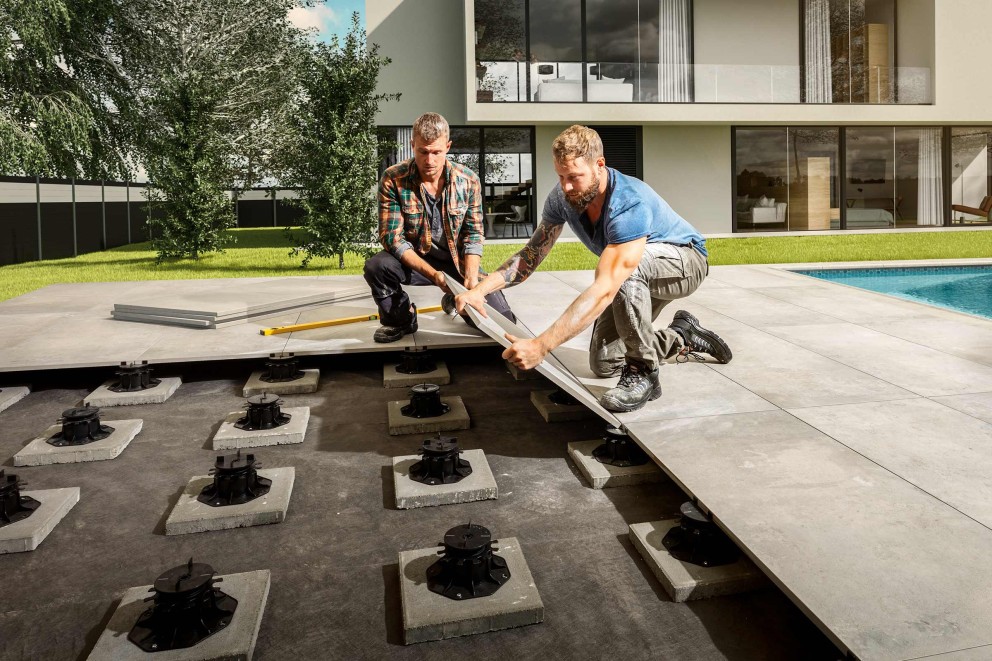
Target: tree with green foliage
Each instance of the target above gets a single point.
(332, 156)
(213, 81)
(64, 98)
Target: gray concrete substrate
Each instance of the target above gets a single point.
(410, 494)
(10, 395)
(429, 616)
(392, 378)
(603, 476)
(229, 437)
(236, 642)
(305, 384)
(552, 412)
(343, 537)
(40, 452)
(27, 534)
(104, 396)
(684, 581)
(190, 515)
(456, 418)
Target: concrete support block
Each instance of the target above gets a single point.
(236, 642)
(229, 437)
(393, 379)
(684, 581)
(480, 485)
(27, 534)
(305, 384)
(430, 616)
(104, 396)
(10, 395)
(605, 476)
(521, 375)
(456, 418)
(190, 515)
(552, 412)
(40, 453)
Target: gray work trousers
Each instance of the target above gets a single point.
(624, 332)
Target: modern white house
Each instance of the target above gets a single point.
(764, 115)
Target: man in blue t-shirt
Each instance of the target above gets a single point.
(648, 257)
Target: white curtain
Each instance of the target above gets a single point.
(930, 197)
(819, 81)
(403, 137)
(675, 41)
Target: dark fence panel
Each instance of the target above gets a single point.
(18, 232)
(56, 229)
(116, 224)
(89, 227)
(139, 222)
(287, 214)
(255, 213)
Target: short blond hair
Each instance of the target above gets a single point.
(430, 126)
(576, 141)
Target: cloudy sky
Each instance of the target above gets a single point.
(330, 17)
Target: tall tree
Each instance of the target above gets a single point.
(213, 82)
(332, 156)
(63, 95)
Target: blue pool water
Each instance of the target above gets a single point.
(962, 288)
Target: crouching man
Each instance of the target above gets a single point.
(430, 223)
(648, 257)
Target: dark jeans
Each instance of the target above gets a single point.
(386, 276)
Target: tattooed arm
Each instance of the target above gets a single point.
(515, 270)
(616, 264)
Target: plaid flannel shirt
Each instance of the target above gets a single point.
(404, 225)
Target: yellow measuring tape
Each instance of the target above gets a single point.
(331, 322)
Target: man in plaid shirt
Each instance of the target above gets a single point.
(430, 223)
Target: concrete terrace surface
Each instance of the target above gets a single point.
(845, 448)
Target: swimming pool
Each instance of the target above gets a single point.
(961, 288)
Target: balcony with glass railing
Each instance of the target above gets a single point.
(617, 82)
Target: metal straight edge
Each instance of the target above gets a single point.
(495, 325)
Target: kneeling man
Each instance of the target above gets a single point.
(430, 223)
(648, 257)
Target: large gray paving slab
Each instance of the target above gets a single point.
(229, 437)
(236, 642)
(684, 581)
(10, 395)
(189, 515)
(755, 277)
(911, 366)
(959, 335)
(886, 570)
(40, 452)
(978, 405)
(497, 326)
(845, 303)
(27, 534)
(456, 418)
(756, 309)
(945, 452)
(104, 396)
(410, 494)
(305, 384)
(429, 616)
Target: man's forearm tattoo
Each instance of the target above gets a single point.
(519, 267)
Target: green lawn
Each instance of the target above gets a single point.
(265, 252)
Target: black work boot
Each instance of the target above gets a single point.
(636, 388)
(698, 340)
(385, 334)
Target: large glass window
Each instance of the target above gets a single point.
(502, 157)
(971, 175)
(793, 178)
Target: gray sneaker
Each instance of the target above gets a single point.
(636, 388)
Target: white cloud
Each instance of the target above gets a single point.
(320, 17)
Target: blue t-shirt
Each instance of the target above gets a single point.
(632, 210)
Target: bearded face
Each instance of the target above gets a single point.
(579, 199)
